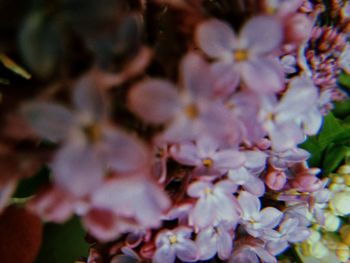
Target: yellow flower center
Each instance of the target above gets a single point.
(172, 239)
(240, 55)
(92, 132)
(192, 111)
(208, 191)
(208, 163)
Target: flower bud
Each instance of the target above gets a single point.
(319, 250)
(276, 180)
(332, 222)
(307, 183)
(344, 169)
(340, 203)
(345, 234)
(298, 28)
(314, 237)
(342, 252)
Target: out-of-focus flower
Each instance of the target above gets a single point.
(207, 156)
(215, 203)
(340, 203)
(243, 57)
(285, 120)
(175, 243)
(190, 113)
(90, 144)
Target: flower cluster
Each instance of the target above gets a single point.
(221, 175)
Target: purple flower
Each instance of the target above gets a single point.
(243, 57)
(215, 202)
(257, 222)
(289, 231)
(90, 144)
(207, 157)
(284, 120)
(248, 175)
(175, 243)
(216, 239)
(190, 113)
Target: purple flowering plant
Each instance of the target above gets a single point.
(177, 131)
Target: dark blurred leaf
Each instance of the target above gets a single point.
(344, 80)
(30, 186)
(41, 43)
(334, 155)
(63, 243)
(342, 109)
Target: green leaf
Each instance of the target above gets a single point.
(342, 109)
(334, 155)
(30, 186)
(333, 130)
(63, 243)
(344, 80)
(314, 148)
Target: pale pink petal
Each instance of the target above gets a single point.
(206, 243)
(185, 153)
(224, 245)
(187, 251)
(312, 121)
(261, 34)
(255, 160)
(155, 101)
(48, 120)
(270, 217)
(287, 136)
(196, 76)
(165, 254)
(225, 186)
(265, 256)
(206, 146)
(277, 247)
(255, 186)
(77, 169)
(262, 75)
(196, 189)
(123, 152)
(228, 159)
(216, 38)
(226, 208)
(299, 235)
(203, 214)
(226, 78)
(88, 97)
(249, 203)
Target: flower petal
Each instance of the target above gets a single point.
(48, 120)
(270, 217)
(228, 159)
(226, 78)
(261, 34)
(224, 244)
(187, 251)
(185, 153)
(164, 254)
(216, 38)
(155, 101)
(77, 169)
(262, 75)
(249, 203)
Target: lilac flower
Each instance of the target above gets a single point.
(243, 57)
(216, 239)
(289, 231)
(90, 144)
(257, 222)
(207, 157)
(251, 250)
(283, 120)
(134, 197)
(175, 243)
(283, 160)
(190, 113)
(215, 203)
(248, 175)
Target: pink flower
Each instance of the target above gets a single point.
(215, 203)
(243, 57)
(289, 231)
(207, 156)
(175, 243)
(283, 119)
(190, 113)
(257, 222)
(216, 239)
(248, 175)
(90, 144)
